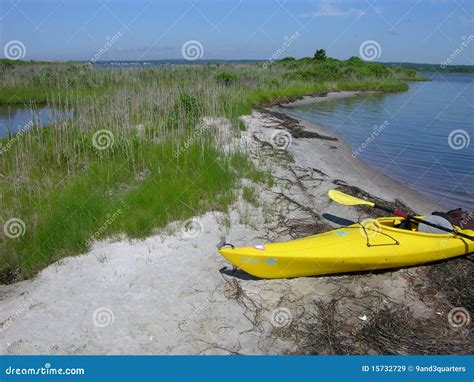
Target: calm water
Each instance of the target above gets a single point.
(427, 141)
(17, 118)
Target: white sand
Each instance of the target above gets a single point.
(307, 100)
(165, 294)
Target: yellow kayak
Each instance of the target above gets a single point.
(369, 245)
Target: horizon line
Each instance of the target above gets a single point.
(193, 62)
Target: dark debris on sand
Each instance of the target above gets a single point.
(454, 279)
(294, 126)
(395, 331)
(390, 330)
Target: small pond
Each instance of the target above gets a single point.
(16, 118)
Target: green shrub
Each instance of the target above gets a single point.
(249, 194)
(226, 78)
(320, 55)
(186, 111)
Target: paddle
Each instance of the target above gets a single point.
(349, 200)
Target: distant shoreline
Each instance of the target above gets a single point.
(426, 67)
(419, 67)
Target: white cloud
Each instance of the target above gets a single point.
(328, 10)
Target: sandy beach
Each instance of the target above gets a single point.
(173, 294)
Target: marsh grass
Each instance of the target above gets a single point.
(249, 194)
(133, 158)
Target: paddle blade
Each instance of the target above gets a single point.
(348, 200)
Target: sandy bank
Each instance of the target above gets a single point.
(172, 293)
(308, 100)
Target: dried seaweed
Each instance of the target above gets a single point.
(395, 331)
(252, 307)
(294, 126)
(454, 278)
(299, 228)
(322, 332)
(392, 329)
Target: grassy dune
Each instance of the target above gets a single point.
(135, 156)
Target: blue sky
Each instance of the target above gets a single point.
(405, 30)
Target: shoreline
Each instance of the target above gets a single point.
(326, 96)
(398, 188)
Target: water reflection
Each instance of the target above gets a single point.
(14, 119)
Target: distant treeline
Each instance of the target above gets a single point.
(433, 67)
(5, 63)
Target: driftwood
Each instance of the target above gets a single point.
(294, 126)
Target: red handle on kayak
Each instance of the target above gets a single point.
(400, 213)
